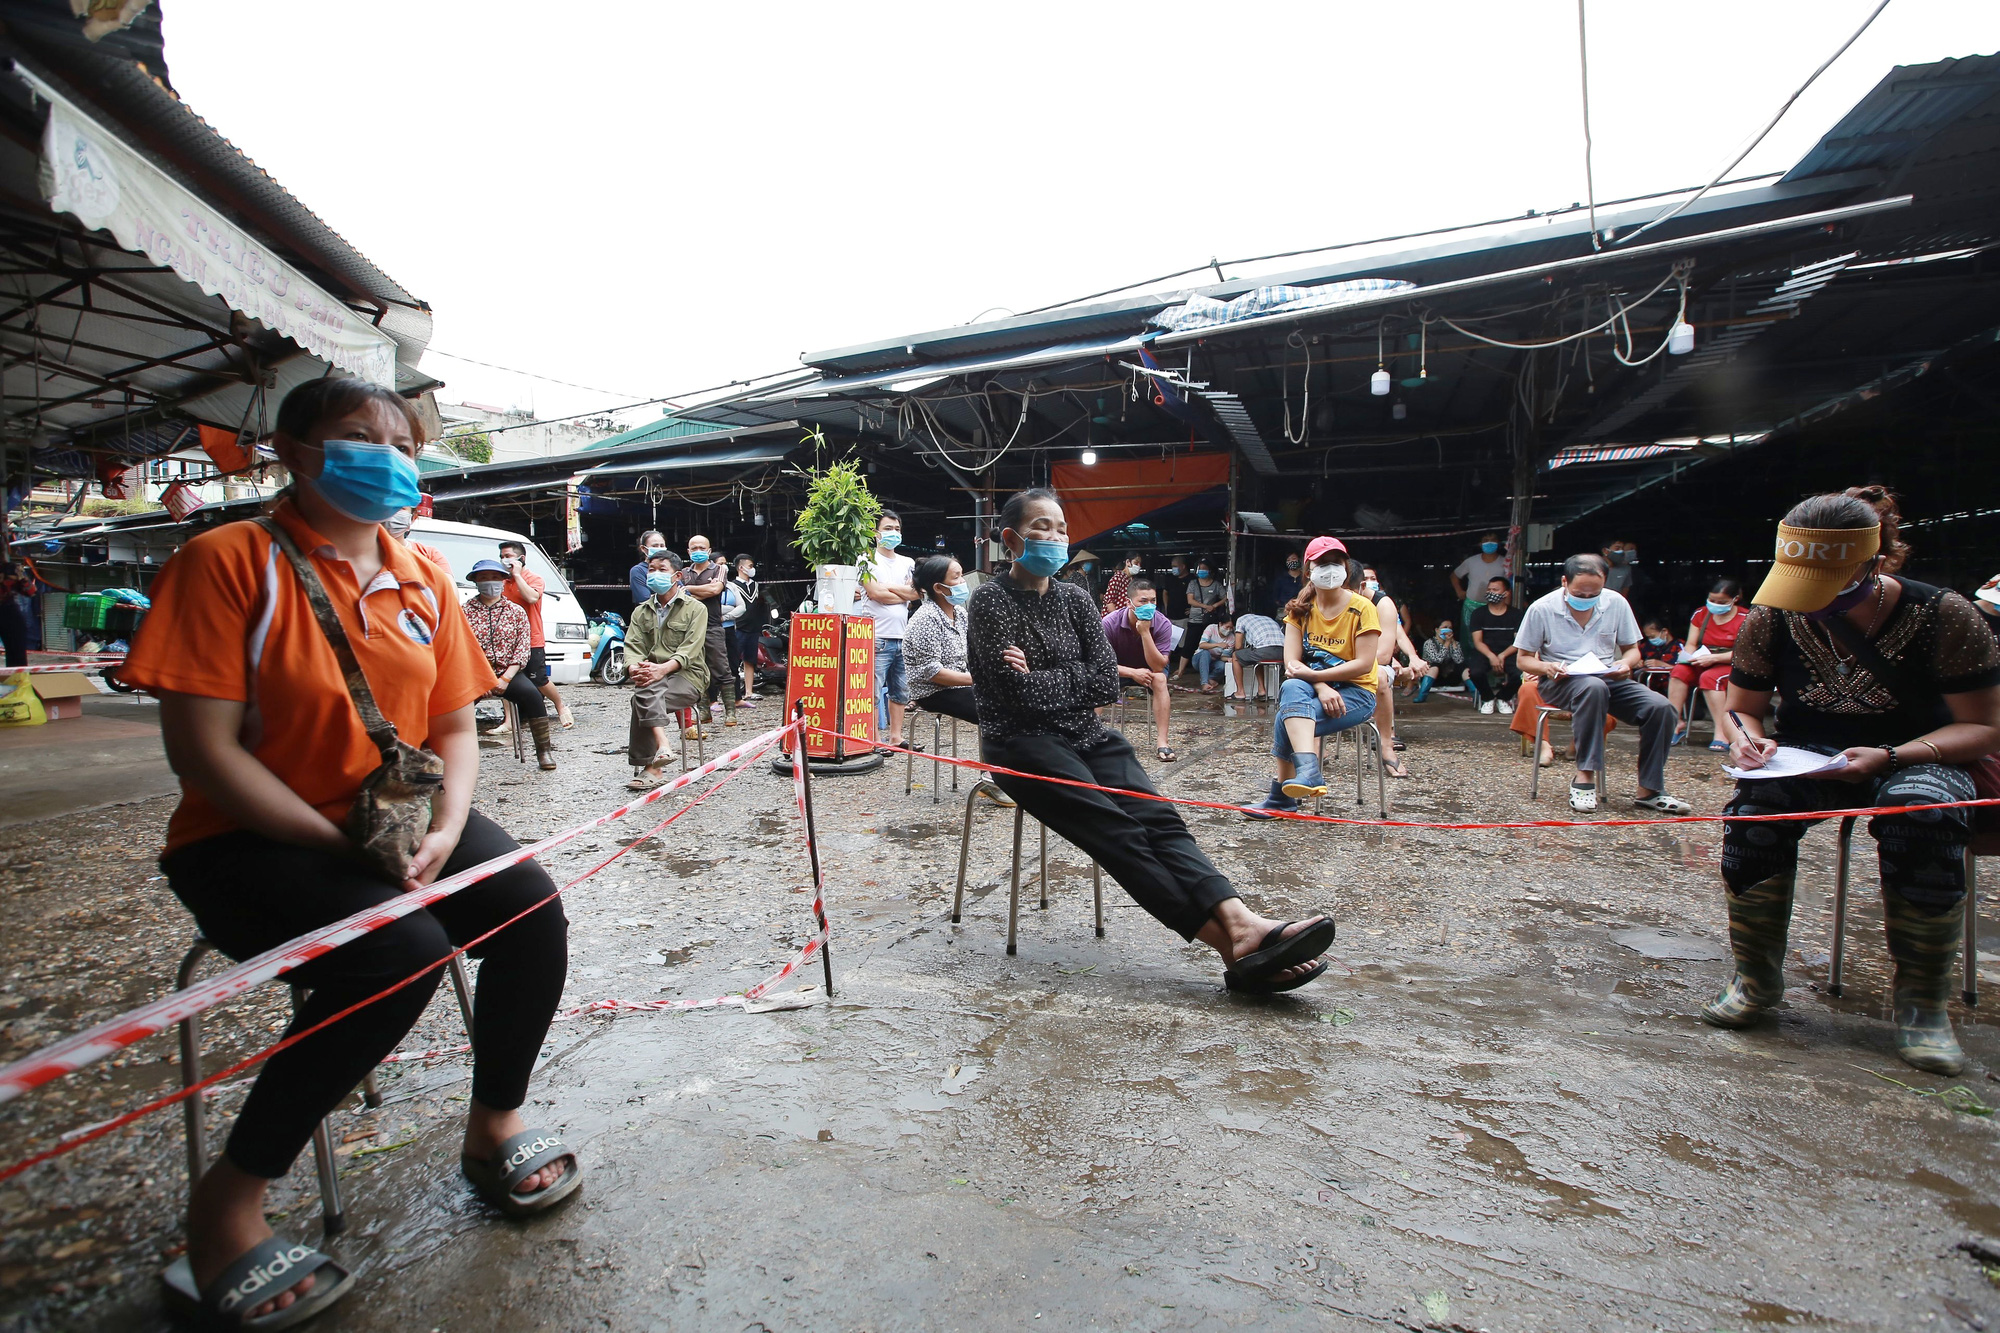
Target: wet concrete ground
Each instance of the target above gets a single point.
(1496, 1111)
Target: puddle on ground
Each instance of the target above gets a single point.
(1767, 1312)
(1961, 1201)
(1692, 1152)
(1510, 1163)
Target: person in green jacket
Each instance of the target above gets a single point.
(666, 654)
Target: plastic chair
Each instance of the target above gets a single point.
(910, 757)
(1361, 753)
(333, 1216)
(1014, 895)
(1981, 845)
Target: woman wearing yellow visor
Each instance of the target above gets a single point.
(1903, 681)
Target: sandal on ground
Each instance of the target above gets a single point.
(1680, 734)
(1395, 767)
(1583, 797)
(1662, 804)
(564, 716)
(647, 782)
(1278, 951)
(1166, 754)
(1719, 745)
(266, 1270)
(514, 1161)
(1311, 974)
(1548, 760)
(1396, 743)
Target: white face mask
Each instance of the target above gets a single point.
(1329, 576)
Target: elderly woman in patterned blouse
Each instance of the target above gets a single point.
(1041, 667)
(1901, 680)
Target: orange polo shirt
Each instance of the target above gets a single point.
(536, 639)
(230, 620)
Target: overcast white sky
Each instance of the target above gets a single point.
(649, 199)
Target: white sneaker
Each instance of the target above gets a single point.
(1505, 707)
(1486, 706)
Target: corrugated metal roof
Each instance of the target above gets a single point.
(666, 428)
(1908, 106)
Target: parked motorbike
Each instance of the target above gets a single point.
(607, 648)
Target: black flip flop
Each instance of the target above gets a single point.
(1274, 987)
(1279, 951)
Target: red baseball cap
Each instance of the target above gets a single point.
(1319, 546)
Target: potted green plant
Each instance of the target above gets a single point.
(836, 531)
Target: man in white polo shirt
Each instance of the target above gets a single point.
(1578, 622)
(886, 595)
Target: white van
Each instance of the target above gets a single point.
(564, 623)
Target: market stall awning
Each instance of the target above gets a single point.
(1108, 494)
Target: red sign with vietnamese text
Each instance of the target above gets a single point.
(832, 671)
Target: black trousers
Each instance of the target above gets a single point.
(13, 630)
(953, 701)
(723, 683)
(249, 893)
(1491, 684)
(1922, 853)
(1144, 845)
(521, 692)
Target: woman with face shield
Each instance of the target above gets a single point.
(1900, 679)
(269, 643)
(1041, 666)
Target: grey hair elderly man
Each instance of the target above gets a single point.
(1582, 642)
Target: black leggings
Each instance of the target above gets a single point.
(952, 701)
(1142, 844)
(249, 893)
(526, 696)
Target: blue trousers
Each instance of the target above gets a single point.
(892, 684)
(1299, 698)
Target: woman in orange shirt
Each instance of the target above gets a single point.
(268, 743)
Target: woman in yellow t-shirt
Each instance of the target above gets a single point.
(1330, 641)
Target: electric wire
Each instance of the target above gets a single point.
(546, 379)
(1677, 272)
(1583, 69)
(1677, 209)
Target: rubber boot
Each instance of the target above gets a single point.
(1276, 800)
(545, 744)
(1307, 780)
(1424, 687)
(1924, 948)
(1759, 918)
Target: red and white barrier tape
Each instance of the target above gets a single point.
(44, 668)
(74, 1052)
(1785, 817)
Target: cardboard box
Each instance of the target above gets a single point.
(62, 693)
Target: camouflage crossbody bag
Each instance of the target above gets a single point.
(392, 811)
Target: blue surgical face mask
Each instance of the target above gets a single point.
(655, 552)
(960, 593)
(697, 557)
(890, 540)
(1042, 558)
(1489, 548)
(1659, 643)
(1444, 631)
(1204, 572)
(366, 482)
(1581, 603)
(1720, 608)
(660, 584)
(1144, 611)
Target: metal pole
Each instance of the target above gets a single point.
(1230, 522)
(800, 758)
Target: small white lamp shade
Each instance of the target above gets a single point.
(1680, 340)
(1378, 383)
(1089, 458)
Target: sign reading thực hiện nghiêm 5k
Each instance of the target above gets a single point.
(832, 673)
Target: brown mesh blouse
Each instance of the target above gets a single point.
(1935, 640)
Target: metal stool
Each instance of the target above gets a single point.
(1126, 693)
(1361, 751)
(1535, 753)
(1969, 950)
(1277, 670)
(1014, 896)
(333, 1216)
(520, 731)
(910, 757)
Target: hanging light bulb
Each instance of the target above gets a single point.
(1399, 411)
(1089, 458)
(1378, 383)
(1680, 340)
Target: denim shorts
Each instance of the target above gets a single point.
(890, 678)
(1299, 698)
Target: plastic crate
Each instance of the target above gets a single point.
(86, 610)
(121, 619)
